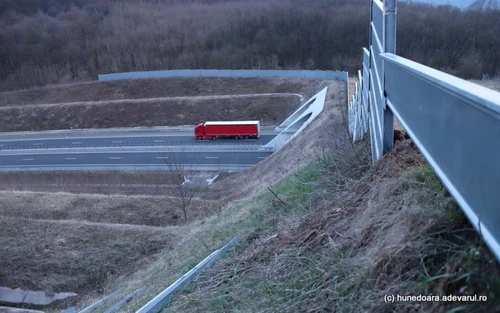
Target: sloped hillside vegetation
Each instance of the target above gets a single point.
(335, 239)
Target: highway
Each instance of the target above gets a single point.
(98, 140)
(119, 160)
(141, 148)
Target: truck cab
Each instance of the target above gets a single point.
(199, 131)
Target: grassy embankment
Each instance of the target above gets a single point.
(335, 239)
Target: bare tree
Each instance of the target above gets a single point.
(179, 191)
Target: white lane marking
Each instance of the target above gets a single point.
(158, 140)
(38, 144)
(27, 159)
(115, 158)
(162, 157)
(117, 141)
(70, 158)
(211, 157)
(76, 142)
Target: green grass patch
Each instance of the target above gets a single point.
(251, 220)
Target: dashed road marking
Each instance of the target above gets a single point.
(76, 142)
(115, 158)
(70, 158)
(117, 141)
(27, 159)
(162, 157)
(38, 144)
(211, 157)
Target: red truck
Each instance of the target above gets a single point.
(232, 130)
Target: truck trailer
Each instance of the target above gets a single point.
(226, 129)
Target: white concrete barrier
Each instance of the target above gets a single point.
(299, 120)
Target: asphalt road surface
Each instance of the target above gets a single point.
(153, 139)
(56, 150)
(214, 160)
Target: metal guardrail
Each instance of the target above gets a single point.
(358, 113)
(454, 123)
(369, 102)
(93, 306)
(456, 126)
(160, 301)
(382, 39)
(336, 75)
(115, 307)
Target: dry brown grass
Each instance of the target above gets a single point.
(80, 242)
(91, 182)
(138, 210)
(133, 113)
(58, 242)
(394, 231)
(55, 256)
(154, 88)
(492, 84)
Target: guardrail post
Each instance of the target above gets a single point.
(389, 46)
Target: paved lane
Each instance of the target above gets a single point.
(154, 139)
(130, 159)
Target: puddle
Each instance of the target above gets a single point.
(19, 296)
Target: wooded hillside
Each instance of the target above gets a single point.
(52, 41)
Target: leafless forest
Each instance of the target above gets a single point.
(53, 41)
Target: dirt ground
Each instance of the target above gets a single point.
(54, 256)
(59, 242)
(153, 88)
(152, 102)
(270, 110)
